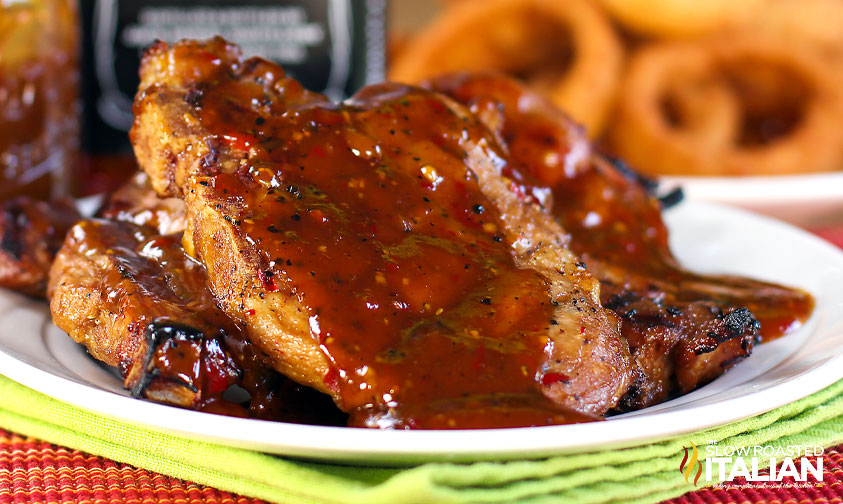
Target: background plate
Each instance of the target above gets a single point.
(811, 201)
(705, 237)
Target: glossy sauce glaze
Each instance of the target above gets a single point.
(614, 221)
(192, 354)
(683, 329)
(373, 217)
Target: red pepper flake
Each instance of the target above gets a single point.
(249, 312)
(582, 329)
(265, 277)
(332, 379)
(518, 190)
(549, 379)
(217, 379)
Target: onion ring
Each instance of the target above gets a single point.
(566, 50)
(817, 23)
(790, 109)
(707, 111)
(681, 18)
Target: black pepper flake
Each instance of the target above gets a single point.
(497, 238)
(486, 301)
(553, 322)
(294, 190)
(478, 209)
(426, 199)
(204, 183)
(296, 217)
(392, 132)
(581, 265)
(289, 262)
(272, 229)
(260, 120)
(194, 98)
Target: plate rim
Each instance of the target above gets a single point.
(402, 447)
(761, 189)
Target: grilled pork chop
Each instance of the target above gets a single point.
(373, 249)
(122, 286)
(684, 329)
(31, 233)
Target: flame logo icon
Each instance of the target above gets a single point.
(686, 467)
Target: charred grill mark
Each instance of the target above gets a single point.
(157, 333)
(624, 169)
(194, 96)
(620, 300)
(672, 198)
(739, 321)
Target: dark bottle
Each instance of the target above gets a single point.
(331, 46)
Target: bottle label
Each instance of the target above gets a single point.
(330, 46)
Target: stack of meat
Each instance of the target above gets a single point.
(447, 256)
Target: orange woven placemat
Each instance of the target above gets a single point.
(33, 471)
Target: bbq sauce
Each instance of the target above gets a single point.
(370, 214)
(193, 353)
(615, 222)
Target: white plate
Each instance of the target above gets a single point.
(806, 200)
(706, 237)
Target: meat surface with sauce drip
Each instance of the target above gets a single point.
(684, 329)
(453, 257)
(122, 286)
(373, 248)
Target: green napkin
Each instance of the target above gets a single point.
(646, 473)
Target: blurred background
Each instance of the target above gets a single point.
(710, 94)
(737, 102)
